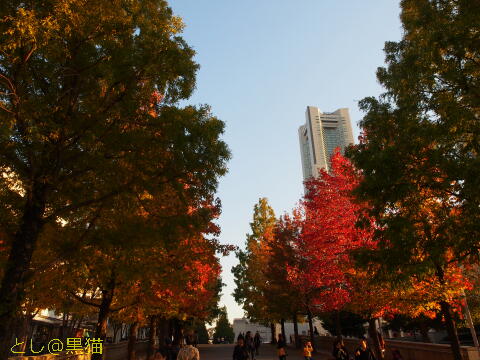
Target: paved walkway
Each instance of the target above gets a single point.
(267, 352)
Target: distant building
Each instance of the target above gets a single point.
(243, 325)
(320, 136)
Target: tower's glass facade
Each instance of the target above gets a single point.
(320, 136)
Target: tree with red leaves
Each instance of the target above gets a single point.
(329, 233)
(331, 239)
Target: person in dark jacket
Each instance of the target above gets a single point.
(339, 351)
(363, 352)
(257, 340)
(240, 352)
(281, 348)
(249, 345)
(396, 355)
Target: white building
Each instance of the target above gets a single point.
(243, 325)
(320, 136)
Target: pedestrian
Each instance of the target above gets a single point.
(195, 338)
(249, 345)
(339, 350)
(169, 348)
(381, 342)
(281, 348)
(257, 340)
(363, 352)
(240, 336)
(240, 352)
(307, 350)
(188, 352)
(161, 354)
(396, 355)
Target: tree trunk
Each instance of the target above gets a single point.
(282, 324)
(177, 333)
(163, 331)
(116, 327)
(71, 326)
(78, 324)
(22, 331)
(450, 324)
(451, 330)
(310, 325)
(295, 330)
(424, 331)
(272, 330)
(103, 313)
(132, 341)
(152, 338)
(372, 331)
(338, 324)
(63, 329)
(18, 264)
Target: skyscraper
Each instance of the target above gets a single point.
(320, 136)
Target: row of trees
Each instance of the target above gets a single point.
(107, 185)
(393, 228)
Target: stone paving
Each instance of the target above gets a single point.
(267, 352)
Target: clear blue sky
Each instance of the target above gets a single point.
(262, 63)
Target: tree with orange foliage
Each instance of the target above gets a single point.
(249, 274)
(78, 134)
(419, 154)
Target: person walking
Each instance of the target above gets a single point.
(281, 348)
(240, 352)
(396, 355)
(160, 354)
(188, 352)
(339, 351)
(257, 340)
(240, 336)
(307, 350)
(363, 352)
(195, 338)
(249, 345)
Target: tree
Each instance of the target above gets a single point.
(419, 152)
(329, 234)
(88, 116)
(223, 329)
(249, 273)
(350, 323)
(261, 276)
(202, 332)
(324, 272)
(283, 296)
(329, 239)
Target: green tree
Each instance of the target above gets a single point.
(202, 332)
(344, 323)
(223, 329)
(88, 120)
(419, 151)
(250, 272)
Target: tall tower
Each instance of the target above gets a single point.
(320, 136)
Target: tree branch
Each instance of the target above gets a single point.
(83, 301)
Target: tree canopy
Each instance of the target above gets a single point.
(94, 147)
(419, 151)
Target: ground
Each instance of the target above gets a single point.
(267, 352)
